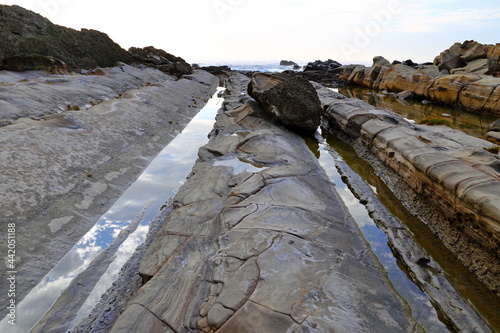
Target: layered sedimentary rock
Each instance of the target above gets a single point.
(259, 241)
(466, 86)
(448, 168)
(60, 173)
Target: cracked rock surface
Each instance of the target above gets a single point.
(59, 174)
(260, 241)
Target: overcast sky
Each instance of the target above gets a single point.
(299, 30)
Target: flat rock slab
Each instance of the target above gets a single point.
(260, 241)
(60, 174)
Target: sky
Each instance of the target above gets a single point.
(204, 31)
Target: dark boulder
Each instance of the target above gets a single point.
(319, 65)
(291, 98)
(217, 70)
(288, 63)
(410, 63)
(161, 60)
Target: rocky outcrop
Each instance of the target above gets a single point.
(289, 63)
(324, 72)
(59, 174)
(494, 132)
(259, 241)
(25, 33)
(468, 90)
(290, 98)
(29, 41)
(470, 57)
(41, 95)
(161, 60)
(441, 166)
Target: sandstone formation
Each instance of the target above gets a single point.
(494, 132)
(477, 92)
(290, 98)
(442, 166)
(267, 246)
(59, 174)
(470, 57)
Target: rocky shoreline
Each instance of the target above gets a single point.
(257, 239)
(61, 173)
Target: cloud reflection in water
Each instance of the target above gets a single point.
(159, 181)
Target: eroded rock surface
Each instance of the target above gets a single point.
(467, 85)
(58, 175)
(444, 166)
(290, 98)
(259, 241)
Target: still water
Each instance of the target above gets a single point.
(418, 110)
(122, 228)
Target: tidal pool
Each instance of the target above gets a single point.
(119, 231)
(418, 110)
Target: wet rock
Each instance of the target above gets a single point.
(290, 98)
(448, 166)
(84, 159)
(277, 243)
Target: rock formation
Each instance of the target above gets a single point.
(288, 63)
(73, 165)
(464, 87)
(25, 33)
(161, 60)
(268, 250)
(324, 72)
(29, 41)
(440, 165)
(290, 98)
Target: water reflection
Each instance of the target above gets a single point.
(420, 304)
(137, 207)
(417, 110)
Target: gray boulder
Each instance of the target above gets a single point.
(495, 126)
(289, 97)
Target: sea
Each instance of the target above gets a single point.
(260, 66)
